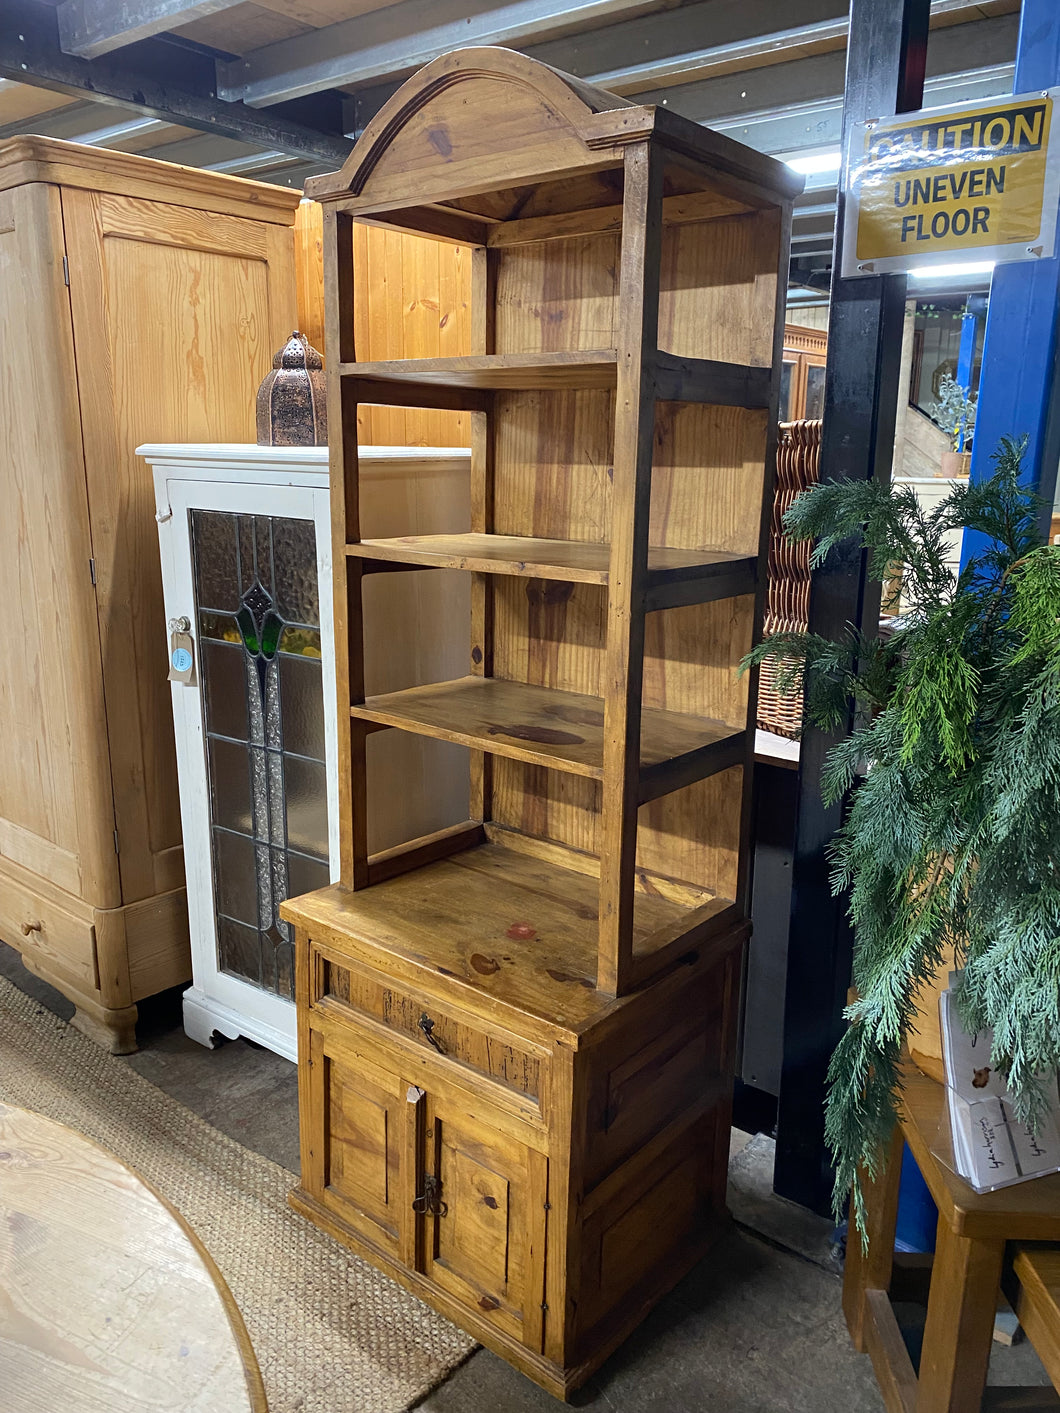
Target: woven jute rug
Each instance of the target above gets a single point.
(331, 1334)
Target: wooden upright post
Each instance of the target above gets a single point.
(637, 339)
(483, 272)
(345, 521)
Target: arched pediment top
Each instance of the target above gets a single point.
(463, 106)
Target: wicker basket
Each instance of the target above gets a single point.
(788, 595)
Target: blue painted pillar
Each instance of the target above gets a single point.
(1019, 387)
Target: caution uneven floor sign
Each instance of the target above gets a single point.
(930, 187)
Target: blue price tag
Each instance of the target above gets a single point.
(181, 659)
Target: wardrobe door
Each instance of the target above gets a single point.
(56, 822)
(177, 313)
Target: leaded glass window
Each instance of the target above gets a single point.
(258, 614)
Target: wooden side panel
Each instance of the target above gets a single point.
(718, 288)
(658, 1066)
(558, 295)
(637, 1245)
(413, 300)
(54, 770)
(486, 1246)
(176, 317)
(653, 1142)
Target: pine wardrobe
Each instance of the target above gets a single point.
(139, 301)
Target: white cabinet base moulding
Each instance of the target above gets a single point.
(245, 540)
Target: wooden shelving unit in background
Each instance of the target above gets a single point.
(516, 1035)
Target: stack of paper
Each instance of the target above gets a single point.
(991, 1148)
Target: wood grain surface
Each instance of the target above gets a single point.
(563, 730)
(107, 1299)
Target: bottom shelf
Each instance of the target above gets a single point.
(521, 927)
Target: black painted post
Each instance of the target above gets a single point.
(885, 75)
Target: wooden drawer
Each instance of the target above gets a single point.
(58, 938)
(462, 1039)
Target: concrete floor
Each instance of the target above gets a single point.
(755, 1328)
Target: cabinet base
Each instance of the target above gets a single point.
(104, 960)
(205, 1017)
(553, 1378)
(114, 1029)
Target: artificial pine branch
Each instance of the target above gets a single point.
(952, 837)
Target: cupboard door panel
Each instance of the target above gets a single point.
(176, 316)
(365, 1114)
(56, 812)
(485, 1242)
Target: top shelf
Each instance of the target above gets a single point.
(677, 379)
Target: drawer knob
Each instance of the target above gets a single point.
(427, 1026)
(30, 927)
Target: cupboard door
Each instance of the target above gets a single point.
(369, 1148)
(56, 811)
(485, 1238)
(177, 313)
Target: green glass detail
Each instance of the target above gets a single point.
(249, 630)
(270, 635)
(259, 623)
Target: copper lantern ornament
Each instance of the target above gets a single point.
(292, 399)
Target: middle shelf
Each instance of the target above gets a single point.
(717, 573)
(561, 730)
(675, 378)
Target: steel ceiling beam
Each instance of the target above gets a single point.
(790, 106)
(760, 97)
(90, 28)
(171, 84)
(792, 127)
(705, 40)
(400, 38)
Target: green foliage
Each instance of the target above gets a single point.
(952, 836)
(954, 410)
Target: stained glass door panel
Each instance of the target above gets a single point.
(258, 614)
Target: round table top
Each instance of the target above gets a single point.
(108, 1301)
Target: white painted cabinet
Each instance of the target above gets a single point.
(244, 534)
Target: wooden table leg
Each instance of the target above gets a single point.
(871, 1270)
(965, 1279)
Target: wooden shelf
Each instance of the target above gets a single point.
(710, 573)
(496, 920)
(561, 730)
(700, 380)
(594, 368)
